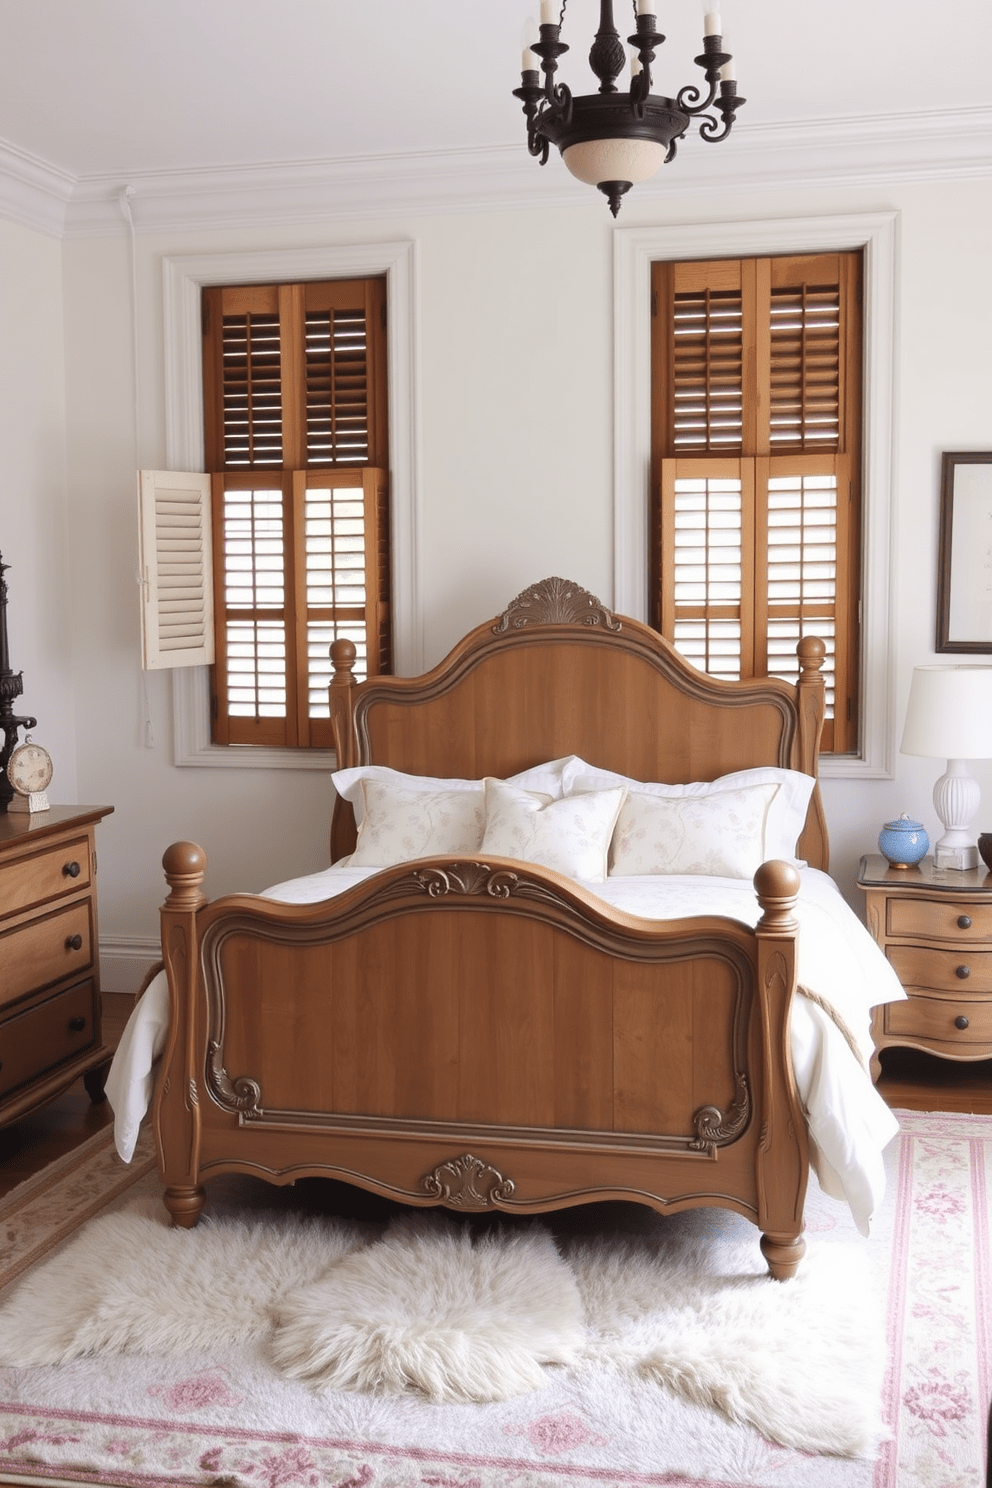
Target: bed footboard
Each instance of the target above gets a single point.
(484, 1035)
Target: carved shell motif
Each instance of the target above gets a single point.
(468, 1183)
(555, 602)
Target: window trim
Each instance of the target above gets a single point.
(634, 250)
(183, 277)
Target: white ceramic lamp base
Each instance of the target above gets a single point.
(956, 798)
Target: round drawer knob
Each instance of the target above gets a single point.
(74, 942)
(963, 972)
(76, 1025)
(961, 1022)
(71, 870)
(964, 922)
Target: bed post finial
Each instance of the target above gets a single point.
(185, 865)
(340, 694)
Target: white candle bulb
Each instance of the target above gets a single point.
(646, 7)
(728, 72)
(529, 61)
(711, 21)
(549, 16)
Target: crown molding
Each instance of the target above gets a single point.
(870, 151)
(32, 192)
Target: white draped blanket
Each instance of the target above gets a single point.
(840, 967)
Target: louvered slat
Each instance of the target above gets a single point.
(801, 571)
(335, 544)
(707, 573)
(251, 391)
(805, 374)
(707, 372)
(254, 566)
(337, 387)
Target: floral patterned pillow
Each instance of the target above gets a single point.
(570, 836)
(402, 822)
(721, 834)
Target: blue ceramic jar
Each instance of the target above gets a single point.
(904, 842)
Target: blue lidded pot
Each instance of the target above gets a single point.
(903, 842)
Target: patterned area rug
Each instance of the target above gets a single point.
(223, 1418)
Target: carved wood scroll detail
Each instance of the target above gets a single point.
(467, 878)
(555, 602)
(243, 1095)
(468, 1183)
(713, 1129)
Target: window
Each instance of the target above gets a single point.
(756, 443)
(295, 440)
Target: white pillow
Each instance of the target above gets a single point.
(400, 823)
(784, 819)
(571, 835)
(721, 834)
(401, 817)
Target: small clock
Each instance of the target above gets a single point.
(29, 771)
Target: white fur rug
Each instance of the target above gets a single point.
(451, 1313)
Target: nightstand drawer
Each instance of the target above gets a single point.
(60, 870)
(944, 971)
(47, 1035)
(937, 1018)
(46, 949)
(936, 919)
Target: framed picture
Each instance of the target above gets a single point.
(964, 564)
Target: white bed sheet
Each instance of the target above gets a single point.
(838, 961)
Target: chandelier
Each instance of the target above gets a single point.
(612, 139)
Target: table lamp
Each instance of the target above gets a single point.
(949, 716)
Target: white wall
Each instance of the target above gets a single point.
(515, 442)
(35, 524)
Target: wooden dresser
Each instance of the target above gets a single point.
(50, 1029)
(935, 927)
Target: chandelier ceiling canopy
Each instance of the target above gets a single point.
(615, 138)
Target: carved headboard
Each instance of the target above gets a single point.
(555, 674)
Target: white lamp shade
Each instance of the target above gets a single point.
(949, 713)
(632, 160)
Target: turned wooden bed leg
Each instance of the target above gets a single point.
(185, 1205)
(783, 1254)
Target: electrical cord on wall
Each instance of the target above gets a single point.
(124, 200)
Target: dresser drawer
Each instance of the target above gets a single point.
(935, 1018)
(46, 949)
(48, 1034)
(944, 971)
(936, 919)
(47, 875)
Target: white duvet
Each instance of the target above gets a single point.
(839, 964)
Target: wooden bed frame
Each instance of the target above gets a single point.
(486, 1035)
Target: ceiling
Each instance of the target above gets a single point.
(98, 87)
(124, 90)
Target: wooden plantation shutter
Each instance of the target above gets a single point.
(756, 440)
(296, 440)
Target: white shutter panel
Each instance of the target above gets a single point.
(175, 575)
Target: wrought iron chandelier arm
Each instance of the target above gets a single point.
(728, 103)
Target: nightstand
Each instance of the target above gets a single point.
(935, 927)
(50, 1025)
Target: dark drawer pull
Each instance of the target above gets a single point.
(77, 1024)
(964, 922)
(961, 1022)
(963, 972)
(74, 942)
(71, 870)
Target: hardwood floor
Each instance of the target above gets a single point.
(913, 1081)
